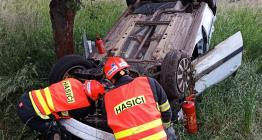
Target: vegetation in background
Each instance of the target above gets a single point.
(26, 50)
(230, 110)
(25, 57)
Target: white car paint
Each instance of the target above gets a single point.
(219, 53)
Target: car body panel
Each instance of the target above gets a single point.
(84, 131)
(219, 63)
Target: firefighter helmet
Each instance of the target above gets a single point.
(93, 89)
(114, 65)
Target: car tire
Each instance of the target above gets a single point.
(64, 66)
(169, 79)
(171, 72)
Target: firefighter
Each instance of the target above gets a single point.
(136, 108)
(40, 109)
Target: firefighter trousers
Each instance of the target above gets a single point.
(27, 114)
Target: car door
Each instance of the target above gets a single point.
(219, 63)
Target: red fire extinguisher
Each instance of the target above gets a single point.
(100, 45)
(190, 114)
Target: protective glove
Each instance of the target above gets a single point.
(170, 132)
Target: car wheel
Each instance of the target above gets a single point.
(174, 76)
(67, 65)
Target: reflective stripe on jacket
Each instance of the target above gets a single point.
(63, 96)
(132, 112)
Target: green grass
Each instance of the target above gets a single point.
(230, 110)
(26, 56)
(26, 50)
(246, 20)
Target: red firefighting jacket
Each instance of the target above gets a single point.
(132, 112)
(63, 96)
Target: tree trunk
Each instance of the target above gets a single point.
(62, 19)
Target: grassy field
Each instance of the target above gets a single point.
(230, 110)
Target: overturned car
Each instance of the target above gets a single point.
(168, 40)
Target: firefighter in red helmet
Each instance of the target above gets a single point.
(41, 109)
(137, 108)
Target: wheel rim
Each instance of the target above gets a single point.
(182, 74)
(77, 68)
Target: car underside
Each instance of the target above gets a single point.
(168, 40)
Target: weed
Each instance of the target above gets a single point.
(229, 110)
(26, 50)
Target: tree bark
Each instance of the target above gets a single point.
(62, 19)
